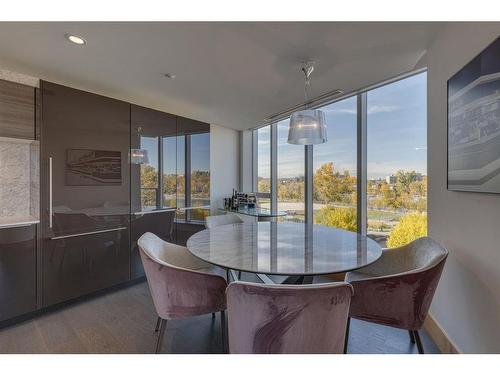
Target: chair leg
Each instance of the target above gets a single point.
(412, 338)
(227, 275)
(346, 339)
(419, 342)
(157, 324)
(159, 339)
(213, 315)
(223, 331)
(239, 275)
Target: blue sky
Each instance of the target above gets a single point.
(396, 130)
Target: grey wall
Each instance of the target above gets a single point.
(467, 302)
(224, 164)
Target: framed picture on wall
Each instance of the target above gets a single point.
(93, 167)
(474, 124)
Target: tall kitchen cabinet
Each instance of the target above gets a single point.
(153, 183)
(85, 193)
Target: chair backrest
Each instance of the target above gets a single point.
(178, 292)
(423, 253)
(218, 220)
(287, 319)
(402, 297)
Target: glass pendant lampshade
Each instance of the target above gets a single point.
(138, 156)
(307, 127)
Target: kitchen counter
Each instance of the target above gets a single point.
(17, 221)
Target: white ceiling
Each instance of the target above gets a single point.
(231, 74)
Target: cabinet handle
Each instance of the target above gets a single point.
(51, 209)
(89, 233)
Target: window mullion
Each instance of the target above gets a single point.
(274, 167)
(308, 191)
(362, 220)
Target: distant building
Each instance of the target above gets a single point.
(391, 179)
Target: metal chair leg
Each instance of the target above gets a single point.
(346, 339)
(419, 342)
(225, 348)
(159, 339)
(239, 275)
(213, 315)
(412, 338)
(227, 275)
(157, 324)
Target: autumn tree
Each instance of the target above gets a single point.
(410, 227)
(331, 186)
(339, 217)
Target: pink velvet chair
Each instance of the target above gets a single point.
(181, 285)
(397, 290)
(266, 318)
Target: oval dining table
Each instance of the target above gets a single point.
(297, 250)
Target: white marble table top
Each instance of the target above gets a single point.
(284, 248)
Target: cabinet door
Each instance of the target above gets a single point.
(17, 271)
(80, 265)
(153, 183)
(17, 110)
(85, 193)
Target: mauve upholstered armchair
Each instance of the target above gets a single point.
(397, 289)
(218, 220)
(265, 318)
(181, 285)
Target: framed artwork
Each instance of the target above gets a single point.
(93, 168)
(474, 124)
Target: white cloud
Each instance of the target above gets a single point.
(381, 109)
(342, 110)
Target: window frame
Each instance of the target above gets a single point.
(362, 162)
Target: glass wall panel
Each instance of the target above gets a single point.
(149, 174)
(181, 175)
(264, 165)
(397, 161)
(200, 176)
(291, 180)
(169, 152)
(335, 168)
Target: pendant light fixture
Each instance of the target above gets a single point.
(139, 155)
(307, 126)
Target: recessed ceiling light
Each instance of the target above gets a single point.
(76, 39)
(170, 75)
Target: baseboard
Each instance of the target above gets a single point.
(444, 343)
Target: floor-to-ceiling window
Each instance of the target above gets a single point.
(391, 126)
(335, 168)
(291, 178)
(397, 160)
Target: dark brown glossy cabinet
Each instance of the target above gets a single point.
(17, 110)
(17, 271)
(85, 192)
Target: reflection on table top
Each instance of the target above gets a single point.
(256, 211)
(284, 248)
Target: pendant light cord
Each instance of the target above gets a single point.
(307, 69)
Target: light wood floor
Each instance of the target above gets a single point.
(123, 321)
